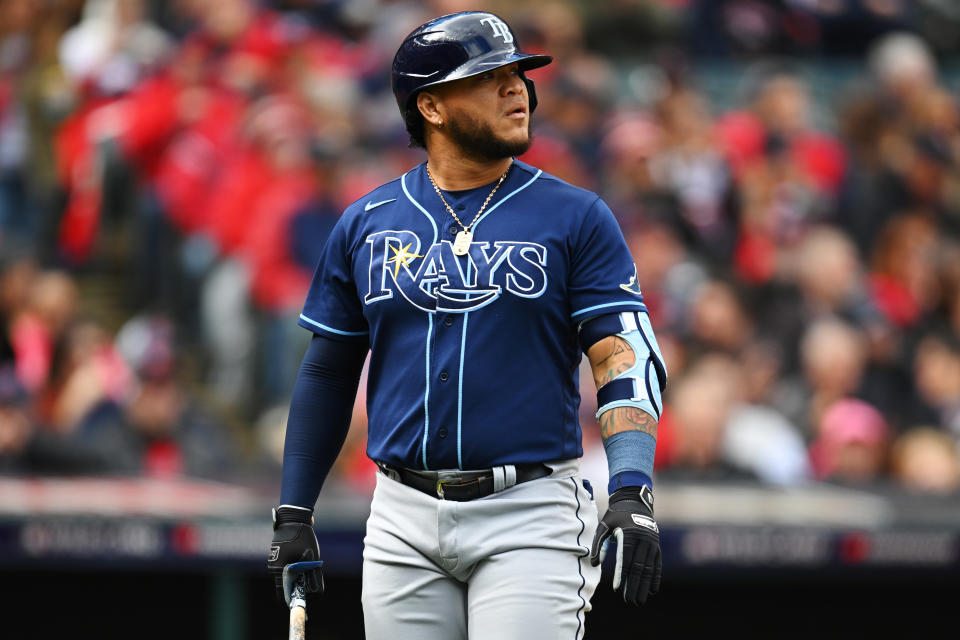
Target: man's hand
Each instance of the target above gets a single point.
(293, 541)
(629, 518)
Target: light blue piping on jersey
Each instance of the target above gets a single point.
(466, 317)
(426, 392)
(331, 329)
(507, 197)
(642, 307)
(463, 347)
(463, 344)
(403, 185)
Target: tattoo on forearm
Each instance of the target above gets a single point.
(609, 358)
(619, 346)
(620, 419)
(608, 375)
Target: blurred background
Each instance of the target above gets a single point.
(787, 176)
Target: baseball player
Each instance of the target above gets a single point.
(476, 282)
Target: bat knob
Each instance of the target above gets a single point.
(294, 589)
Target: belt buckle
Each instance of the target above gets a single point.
(440, 483)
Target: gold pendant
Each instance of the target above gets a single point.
(461, 246)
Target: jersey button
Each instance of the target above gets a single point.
(453, 230)
(442, 432)
(444, 376)
(448, 321)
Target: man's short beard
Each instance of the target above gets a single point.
(477, 140)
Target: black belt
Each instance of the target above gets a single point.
(460, 486)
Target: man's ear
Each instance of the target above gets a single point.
(429, 106)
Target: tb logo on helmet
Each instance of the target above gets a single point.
(499, 28)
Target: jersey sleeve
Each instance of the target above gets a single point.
(333, 307)
(603, 276)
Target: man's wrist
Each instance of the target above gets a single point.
(288, 514)
(629, 478)
(642, 494)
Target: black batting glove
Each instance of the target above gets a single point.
(293, 541)
(629, 518)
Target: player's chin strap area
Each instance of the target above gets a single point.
(641, 385)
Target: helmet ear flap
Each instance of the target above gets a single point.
(531, 91)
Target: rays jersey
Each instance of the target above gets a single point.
(474, 358)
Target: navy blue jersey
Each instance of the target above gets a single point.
(474, 359)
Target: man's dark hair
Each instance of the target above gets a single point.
(414, 124)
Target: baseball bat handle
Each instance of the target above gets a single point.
(298, 623)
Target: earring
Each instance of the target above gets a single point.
(440, 124)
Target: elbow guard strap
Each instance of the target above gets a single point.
(642, 384)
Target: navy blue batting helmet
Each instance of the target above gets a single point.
(454, 46)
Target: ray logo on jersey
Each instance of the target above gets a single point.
(433, 279)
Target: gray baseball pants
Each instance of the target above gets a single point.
(511, 566)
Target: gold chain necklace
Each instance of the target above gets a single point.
(462, 243)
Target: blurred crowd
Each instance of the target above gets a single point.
(169, 172)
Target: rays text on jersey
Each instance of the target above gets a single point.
(441, 282)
